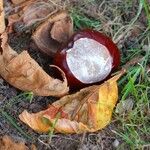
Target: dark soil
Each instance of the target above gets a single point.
(100, 140)
(104, 139)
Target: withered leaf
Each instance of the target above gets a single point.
(6, 143)
(17, 1)
(11, 20)
(2, 20)
(24, 73)
(57, 29)
(88, 110)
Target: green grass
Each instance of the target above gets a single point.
(51, 126)
(147, 10)
(82, 21)
(11, 120)
(14, 123)
(133, 126)
(25, 95)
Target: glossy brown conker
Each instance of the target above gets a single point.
(91, 36)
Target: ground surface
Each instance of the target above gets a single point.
(126, 22)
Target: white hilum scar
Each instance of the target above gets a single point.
(89, 61)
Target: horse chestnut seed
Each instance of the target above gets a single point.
(89, 57)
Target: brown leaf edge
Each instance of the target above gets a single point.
(2, 20)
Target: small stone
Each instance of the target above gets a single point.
(125, 107)
(1, 97)
(115, 143)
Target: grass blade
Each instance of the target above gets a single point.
(13, 123)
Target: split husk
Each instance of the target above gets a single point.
(53, 28)
(31, 13)
(52, 33)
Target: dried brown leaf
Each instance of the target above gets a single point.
(23, 72)
(6, 143)
(17, 1)
(2, 20)
(88, 110)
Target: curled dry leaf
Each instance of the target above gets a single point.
(88, 110)
(23, 72)
(6, 143)
(50, 35)
(2, 20)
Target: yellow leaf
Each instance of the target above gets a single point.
(88, 110)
